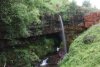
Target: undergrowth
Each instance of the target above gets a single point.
(85, 50)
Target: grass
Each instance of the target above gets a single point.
(85, 50)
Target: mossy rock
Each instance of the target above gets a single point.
(18, 58)
(85, 50)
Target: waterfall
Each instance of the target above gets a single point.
(44, 62)
(63, 34)
(57, 49)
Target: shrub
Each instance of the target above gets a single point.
(84, 54)
(18, 58)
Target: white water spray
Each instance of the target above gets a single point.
(58, 49)
(44, 62)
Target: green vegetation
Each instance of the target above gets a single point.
(26, 56)
(16, 18)
(85, 50)
(73, 13)
(43, 47)
(18, 58)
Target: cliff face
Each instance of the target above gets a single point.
(91, 19)
(85, 50)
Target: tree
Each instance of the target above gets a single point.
(73, 13)
(86, 3)
(17, 16)
(87, 6)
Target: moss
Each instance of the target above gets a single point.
(84, 54)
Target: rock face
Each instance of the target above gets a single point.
(84, 54)
(91, 19)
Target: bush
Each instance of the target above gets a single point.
(88, 39)
(18, 58)
(17, 15)
(43, 47)
(84, 54)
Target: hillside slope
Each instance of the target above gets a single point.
(85, 50)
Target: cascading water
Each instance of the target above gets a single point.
(57, 49)
(44, 62)
(63, 34)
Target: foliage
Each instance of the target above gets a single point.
(43, 47)
(16, 15)
(89, 39)
(26, 56)
(84, 54)
(86, 3)
(18, 58)
(72, 13)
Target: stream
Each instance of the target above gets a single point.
(52, 60)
